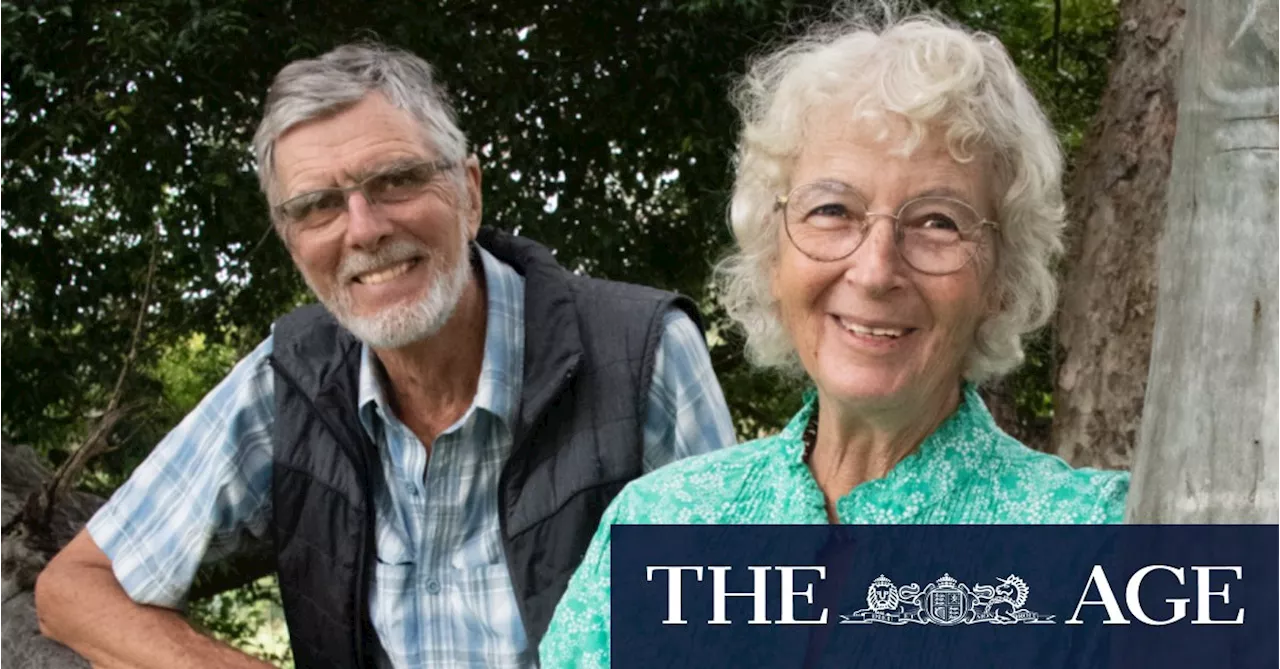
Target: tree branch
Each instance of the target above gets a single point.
(69, 471)
(1057, 36)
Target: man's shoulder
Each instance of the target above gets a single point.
(622, 315)
(255, 363)
(550, 283)
(309, 345)
(706, 488)
(307, 322)
(644, 306)
(621, 296)
(624, 289)
(248, 387)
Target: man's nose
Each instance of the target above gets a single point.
(366, 224)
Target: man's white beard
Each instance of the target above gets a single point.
(405, 323)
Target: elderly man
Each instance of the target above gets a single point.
(428, 453)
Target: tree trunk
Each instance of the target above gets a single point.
(26, 548)
(1115, 202)
(23, 555)
(1207, 452)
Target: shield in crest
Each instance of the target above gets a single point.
(946, 606)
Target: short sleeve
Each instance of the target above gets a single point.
(201, 493)
(687, 414)
(1113, 493)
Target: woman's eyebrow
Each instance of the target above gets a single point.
(943, 191)
(836, 185)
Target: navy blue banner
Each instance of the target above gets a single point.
(1128, 596)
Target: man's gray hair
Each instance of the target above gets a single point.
(314, 88)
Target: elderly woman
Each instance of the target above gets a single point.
(897, 205)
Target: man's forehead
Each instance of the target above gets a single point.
(362, 138)
(372, 112)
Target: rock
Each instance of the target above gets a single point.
(23, 556)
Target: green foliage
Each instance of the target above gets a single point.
(188, 369)
(118, 134)
(182, 372)
(1067, 70)
(604, 130)
(249, 618)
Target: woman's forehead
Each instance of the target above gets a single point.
(857, 157)
(874, 154)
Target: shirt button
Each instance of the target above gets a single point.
(433, 586)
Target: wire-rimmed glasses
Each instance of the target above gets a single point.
(934, 234)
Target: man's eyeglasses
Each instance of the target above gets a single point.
(394, 185)
(828, 221)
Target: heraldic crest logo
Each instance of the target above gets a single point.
(946, 602)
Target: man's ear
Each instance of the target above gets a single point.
(472, 167)
(283, 237)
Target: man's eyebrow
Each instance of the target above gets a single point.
(382, 168)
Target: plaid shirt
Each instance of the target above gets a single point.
(441, 594)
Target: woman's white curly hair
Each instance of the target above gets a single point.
(935, 76)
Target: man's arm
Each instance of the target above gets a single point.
(114, 592)
(687, 414)
(81, 604)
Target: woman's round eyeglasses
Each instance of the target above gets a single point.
(934, 234)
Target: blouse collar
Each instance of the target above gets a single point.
(956, 451)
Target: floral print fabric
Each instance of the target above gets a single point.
(968, 471)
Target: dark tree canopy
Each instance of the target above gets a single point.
(603, 129)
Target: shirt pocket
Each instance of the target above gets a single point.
(394, 579)
(392, 544)
(481, 550)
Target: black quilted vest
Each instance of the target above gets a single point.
(589, 350)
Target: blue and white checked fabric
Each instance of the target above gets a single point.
(441, 595)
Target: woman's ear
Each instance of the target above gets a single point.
(993, 297)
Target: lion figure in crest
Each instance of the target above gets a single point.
(882, 595)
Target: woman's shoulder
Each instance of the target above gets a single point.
(1044, 488)
(706, 488)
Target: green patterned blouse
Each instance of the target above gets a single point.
(968, 471)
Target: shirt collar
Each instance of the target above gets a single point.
(502, 370)
(958, 449)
